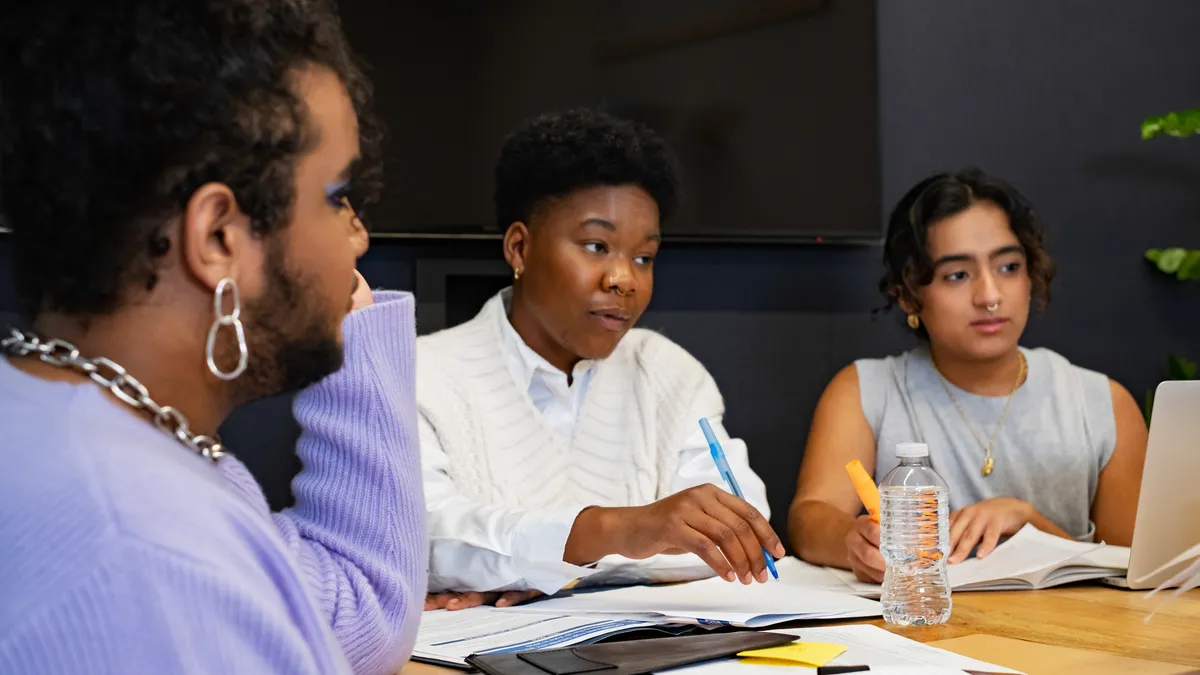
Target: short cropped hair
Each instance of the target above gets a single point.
(555, 154)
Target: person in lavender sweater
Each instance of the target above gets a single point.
(177, 180)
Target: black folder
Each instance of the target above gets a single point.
(634, 657)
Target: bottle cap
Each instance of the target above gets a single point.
(911, 450)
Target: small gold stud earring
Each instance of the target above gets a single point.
(914, 321)
(516, 274)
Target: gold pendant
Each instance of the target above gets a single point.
(987, 466)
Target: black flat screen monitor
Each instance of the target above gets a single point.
(771, 105)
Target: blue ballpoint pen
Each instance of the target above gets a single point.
(718, 455)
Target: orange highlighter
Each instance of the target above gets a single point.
(865, 487)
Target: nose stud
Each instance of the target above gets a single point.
(612, 285)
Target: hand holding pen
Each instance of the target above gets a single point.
(718, 455)
(727, 533)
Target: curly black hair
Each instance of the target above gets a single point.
(113, 113)
(555, 154)
(906, 259)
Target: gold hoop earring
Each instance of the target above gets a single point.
(914, 321)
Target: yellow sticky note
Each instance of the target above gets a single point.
(798, 653)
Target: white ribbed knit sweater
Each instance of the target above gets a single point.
(636, 415)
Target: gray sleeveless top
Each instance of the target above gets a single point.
(1058, 434)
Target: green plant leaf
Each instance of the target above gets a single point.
(1171, 259)
(1190, 268)
(1181, 368)
(1178, 124)
(1183, 263)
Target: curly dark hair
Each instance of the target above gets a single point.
(906, 259)
(113, 113)
(555, 154)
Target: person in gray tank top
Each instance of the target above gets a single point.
(1020, 435)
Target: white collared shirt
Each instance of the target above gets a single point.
(558, 401)
(467, 538)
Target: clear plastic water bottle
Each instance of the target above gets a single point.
(914, 538)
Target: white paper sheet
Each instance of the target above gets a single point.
(711, 601)
(1108, 556)
(860, 588)
(449, 637)
(618, 570)
(796, 572)
(884, 652)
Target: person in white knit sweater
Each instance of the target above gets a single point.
(555, 437)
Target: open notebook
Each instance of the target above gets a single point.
(1030, 559)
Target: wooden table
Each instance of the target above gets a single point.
(1095, 618)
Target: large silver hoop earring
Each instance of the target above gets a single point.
(223, 319)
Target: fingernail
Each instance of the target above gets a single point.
(730, 577)
(762, 576)
(779, 552)
(502, 603)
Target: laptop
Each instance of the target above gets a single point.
(1168, 515)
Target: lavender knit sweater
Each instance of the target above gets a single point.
(121, 552)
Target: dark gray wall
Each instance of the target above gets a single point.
(1047, 94)
(1050, 95)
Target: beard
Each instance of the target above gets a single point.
(291, 337)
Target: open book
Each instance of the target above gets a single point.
(1033, 559)
(1030, 559)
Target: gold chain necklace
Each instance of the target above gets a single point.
(988, 462)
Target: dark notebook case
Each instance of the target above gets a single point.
(634, 657)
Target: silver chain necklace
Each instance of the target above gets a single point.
(113, 377)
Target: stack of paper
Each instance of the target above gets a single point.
(448, 638)
(709, 602)
(884, 652)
